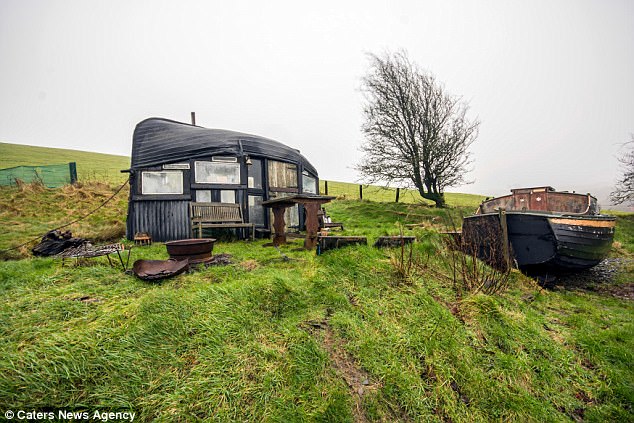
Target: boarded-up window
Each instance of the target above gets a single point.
(291, 214)
(166, 182)
(217, 173)
(282, 175)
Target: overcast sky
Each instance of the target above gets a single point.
(551, 81)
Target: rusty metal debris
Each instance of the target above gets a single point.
(152, 270)
(87, 250)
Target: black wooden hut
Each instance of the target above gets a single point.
(175, 163)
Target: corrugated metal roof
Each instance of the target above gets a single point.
(158, 141)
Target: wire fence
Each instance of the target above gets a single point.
(349, 191)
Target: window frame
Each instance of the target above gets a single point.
(308, 175)
(235, 164)
(169, 172)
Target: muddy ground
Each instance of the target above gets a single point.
(602, 278)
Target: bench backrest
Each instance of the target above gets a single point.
(216, 212)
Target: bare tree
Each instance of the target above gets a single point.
(416, 133)
(624, 189)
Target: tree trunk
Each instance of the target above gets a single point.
(436, 197)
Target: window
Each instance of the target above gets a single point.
(217, 173)
(282, 175)
(176, 166)
(256, 211)
(165, 182)
(227, 196)
(309, 183)
(207, 195)
(203, 196)
(255, 174)
(226, 159)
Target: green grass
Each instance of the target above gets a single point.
(350, 191)
(624, 233)
(90, 166)
(266, 339)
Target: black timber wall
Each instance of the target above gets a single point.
(163, 220)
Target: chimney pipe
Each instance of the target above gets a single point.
(193, 118)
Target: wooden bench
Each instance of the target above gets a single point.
(217, 215)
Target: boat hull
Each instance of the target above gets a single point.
(540, 240)
(582, 242)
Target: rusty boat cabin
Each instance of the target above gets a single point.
(556, 231)
(174, 164)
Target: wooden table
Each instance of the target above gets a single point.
(312, 203)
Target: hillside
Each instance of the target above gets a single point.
(357, 334)
(90, 166)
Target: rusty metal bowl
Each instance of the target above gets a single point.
(195, 250)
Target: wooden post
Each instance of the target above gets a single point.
(312, 224)
(72, 167)
(326, 187)
(505, 239)
(398, 191)
(279, 225)
(193, 118)
(360, 192)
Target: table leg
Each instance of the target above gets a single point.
(312, 225)
(279, 225)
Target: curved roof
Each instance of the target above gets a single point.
(158, 141)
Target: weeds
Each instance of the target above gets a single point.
(472, 275)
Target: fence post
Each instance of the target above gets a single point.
(505, 239)
(398, 192)
(326, 187)
(72, 167)
(360, 192)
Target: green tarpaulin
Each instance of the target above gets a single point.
(51, 176)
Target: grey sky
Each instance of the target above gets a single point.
(551, 81)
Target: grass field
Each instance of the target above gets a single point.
(356, 334)
(350, 191)
(337, 337)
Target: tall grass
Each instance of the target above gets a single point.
(29, 211)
